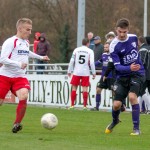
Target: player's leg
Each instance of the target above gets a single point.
(135, 113)
(100, 86)
(21, 89)
(85, 84)
(141, 98)
(140, 101)
(146, 97)
(123, 105)
(85, 96)
(110, 83)
(135, 85)
(73, 95)
(121, 92)
(148, 87)
(75, 81)
(4, 88)
(98, 97)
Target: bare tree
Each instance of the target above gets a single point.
(58, 19)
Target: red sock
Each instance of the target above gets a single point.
(85, 97)
(73, 97)
(20, 111)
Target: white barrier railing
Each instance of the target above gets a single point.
(53, 89)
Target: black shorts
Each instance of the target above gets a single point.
(124, 85)
(144, 86)
(107, 84)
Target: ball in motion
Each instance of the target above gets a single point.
(49, 121)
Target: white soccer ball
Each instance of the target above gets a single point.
(49, 121)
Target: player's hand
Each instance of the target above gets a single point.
(23, 65)
(94, 75)
(104, 78)
(69, 74)
(46, 58)
(135, 67)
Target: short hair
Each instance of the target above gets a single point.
(85, 41)
(123, 23)
(142, 39)
(22, 21)
(147, 39)
(90, 33)
(107, 42)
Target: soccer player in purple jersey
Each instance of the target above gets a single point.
(130, 74)
(108, 83)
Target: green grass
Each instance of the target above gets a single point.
(77, 130)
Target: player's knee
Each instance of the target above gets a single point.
(23, 95)
(116, 105)
(98, 90)
(132, 98)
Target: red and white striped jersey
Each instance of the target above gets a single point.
(14, 52)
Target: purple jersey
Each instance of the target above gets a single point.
(124, 53)
(104, 60)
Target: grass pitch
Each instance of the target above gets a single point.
(76, 130)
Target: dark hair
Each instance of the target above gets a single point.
(147, 39)
(85, 41)
(142, 39)
(123, 23)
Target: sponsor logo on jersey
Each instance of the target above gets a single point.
(130, 58)
(23, 52)
(133, 44)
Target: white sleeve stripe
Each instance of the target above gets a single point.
(117, 63)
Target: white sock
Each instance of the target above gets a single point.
(140, 100)
(146, 98)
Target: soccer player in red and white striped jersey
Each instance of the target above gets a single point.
(81, 62)
(14, 57)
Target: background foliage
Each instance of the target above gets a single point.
(58, 19)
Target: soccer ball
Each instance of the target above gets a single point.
(49, 121)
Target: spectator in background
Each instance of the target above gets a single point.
(147, 39)
(144, 51)
(90, 36)
(43, 49)
(110, 36)
(36, 41)
(98, 51)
